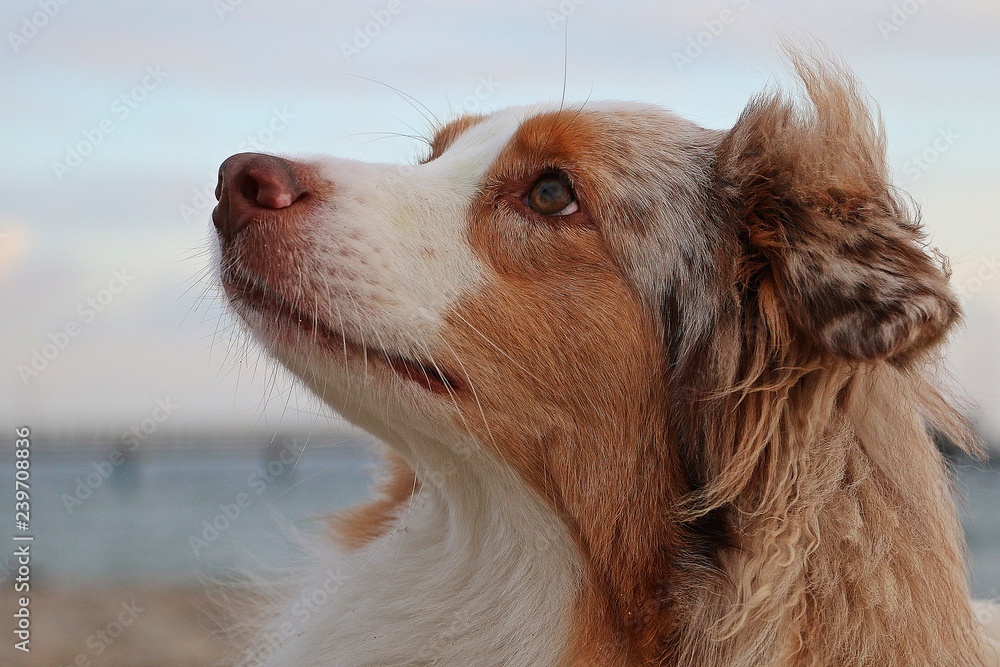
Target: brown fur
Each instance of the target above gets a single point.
(358, 526)
(447, 134)
(714, 372)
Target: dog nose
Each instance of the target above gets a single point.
(249, 184)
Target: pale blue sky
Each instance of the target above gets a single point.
(199, 85)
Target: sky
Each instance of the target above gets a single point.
(115, 116)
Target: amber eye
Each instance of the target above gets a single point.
(552, 195)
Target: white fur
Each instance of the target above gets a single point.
(471, 574)
(383, 259)
(477, 569)
(388, 250)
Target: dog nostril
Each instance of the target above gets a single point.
(249, 182)
(249, 188)
(264, 180)
(271, 183)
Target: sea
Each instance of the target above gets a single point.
(177, 516)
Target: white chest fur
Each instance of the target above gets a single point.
(472, 573)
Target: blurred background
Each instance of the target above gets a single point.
(150, 413)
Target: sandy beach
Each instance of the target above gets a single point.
(120, 626)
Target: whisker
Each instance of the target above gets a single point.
(582, 106)
(496, 347)
(390, 135)
(418, 134)
(475, 394)
(417, 105)
(562, 99)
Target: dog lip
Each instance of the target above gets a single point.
(263, 298)
(258, 296)
(428, 376)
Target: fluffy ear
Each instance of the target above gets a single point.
(825, 228)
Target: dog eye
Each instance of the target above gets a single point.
(552, 195)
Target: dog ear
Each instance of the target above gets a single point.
(842, 252)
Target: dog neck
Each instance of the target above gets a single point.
(472, 568)
(475, 562)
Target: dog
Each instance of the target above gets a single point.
(653, 394)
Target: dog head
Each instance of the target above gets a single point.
(547, 267)
(618, 305)
(652, 325)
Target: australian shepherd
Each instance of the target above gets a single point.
(653, 394)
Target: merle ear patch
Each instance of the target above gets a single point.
(844, 251)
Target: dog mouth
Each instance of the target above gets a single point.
(246, 292)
